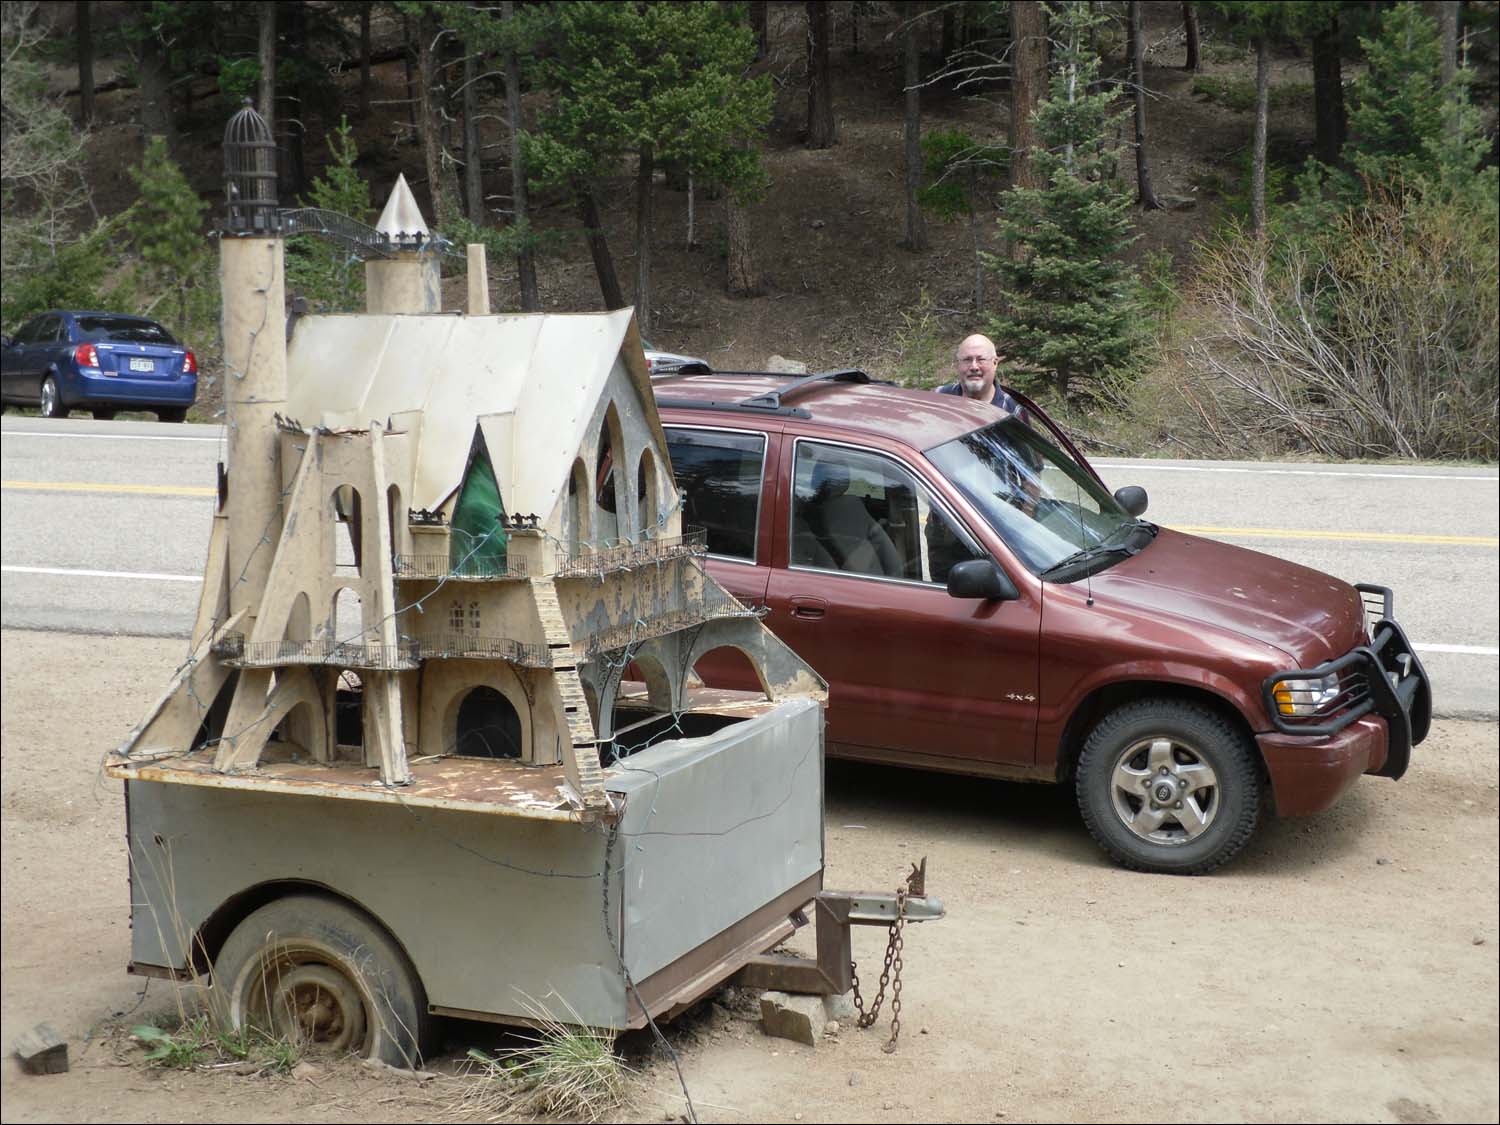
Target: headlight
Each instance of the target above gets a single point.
(1304, 697)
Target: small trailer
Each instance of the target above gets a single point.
(438, 748)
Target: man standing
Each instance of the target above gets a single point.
(974, 363)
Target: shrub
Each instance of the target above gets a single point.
(1376, 336)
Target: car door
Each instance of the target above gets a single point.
(859, 591)
(24, 359)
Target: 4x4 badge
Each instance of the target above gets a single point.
(1020, 698)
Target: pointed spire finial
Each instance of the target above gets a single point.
(402, 221)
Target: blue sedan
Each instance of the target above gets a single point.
(97, 361)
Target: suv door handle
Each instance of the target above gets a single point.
(808, 608)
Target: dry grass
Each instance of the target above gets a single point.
(566, 1070)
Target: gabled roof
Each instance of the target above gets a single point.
(535, 379)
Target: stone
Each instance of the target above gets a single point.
(788, 1016)
(840, 1007)
(831, 1028)
(42, 1050)
(854, 1078)
(780, 365)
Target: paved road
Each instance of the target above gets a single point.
(103, 528)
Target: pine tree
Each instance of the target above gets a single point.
(327, 275)
(1071, 305)
(166, 228)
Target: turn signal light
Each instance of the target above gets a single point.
(190, 364)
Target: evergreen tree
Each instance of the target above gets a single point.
(960, 175)
(661, 82)
(1071, 305)
(329, 276)
(166, 228)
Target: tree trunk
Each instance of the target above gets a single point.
(1445, 14)
(296, 127)
(1190, 32)
(266, 58)
(1258, 153)
(760, 26)
(645, 178)
(531, 298)
(432, 92)
(364, 58)
(156, 102)
(1028, 30)
(412, 100)
(949, 41)
(1328, 91)
(593, 233)
(916, 225)
(743, 277)
(85, 62)
(692, 198)
(976, 234)
(1146, 193)
(822, 131)
(473, 178)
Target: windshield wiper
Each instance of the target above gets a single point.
(1131, 536)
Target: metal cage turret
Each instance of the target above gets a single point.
(250, 174)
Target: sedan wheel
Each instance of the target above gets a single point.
(1170, 787)
(52, 404)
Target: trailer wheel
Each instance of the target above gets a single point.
(325, 977)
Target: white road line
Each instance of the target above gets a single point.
(1148, 468)
(71, 573)
(108, 437)
(1463, 650)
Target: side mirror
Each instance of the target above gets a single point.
(981, 578)
(1132, 498)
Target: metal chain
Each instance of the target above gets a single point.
(890, 975)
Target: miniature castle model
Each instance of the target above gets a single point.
(438, 536)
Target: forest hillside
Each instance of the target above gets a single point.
(1198, 229)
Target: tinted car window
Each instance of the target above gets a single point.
(862, 513)
(49, 331)
(124, 329)
(719, 476)
(29, 331)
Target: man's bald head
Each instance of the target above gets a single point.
(974, 362)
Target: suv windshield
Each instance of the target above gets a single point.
(1057, 518)
(124, 329)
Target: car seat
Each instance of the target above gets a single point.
(844, 529)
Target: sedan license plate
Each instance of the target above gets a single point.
(139, 364)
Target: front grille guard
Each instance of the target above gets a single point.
(1384, 677)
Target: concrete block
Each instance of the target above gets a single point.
(787, 1016)
(840, 1008)
(42, 1050)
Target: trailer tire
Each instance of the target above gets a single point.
(315, 971)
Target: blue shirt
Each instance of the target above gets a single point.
(1002, 399)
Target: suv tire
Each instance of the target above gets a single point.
(1169, 787)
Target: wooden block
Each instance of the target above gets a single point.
(42, 1050)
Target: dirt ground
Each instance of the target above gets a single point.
(1342, 969)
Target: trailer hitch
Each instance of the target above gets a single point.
(834, 972)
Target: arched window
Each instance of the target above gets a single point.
(609, 478)
(646, 504)
(488, 726)
(348, 509)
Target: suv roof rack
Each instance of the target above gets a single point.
(773, 402)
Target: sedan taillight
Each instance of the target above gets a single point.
(190, 364)
(86, 355)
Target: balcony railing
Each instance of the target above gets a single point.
(628, 556)
(476, 568)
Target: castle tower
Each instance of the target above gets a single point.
(408, 282)
(253, 286)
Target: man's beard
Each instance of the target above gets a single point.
(973, 385)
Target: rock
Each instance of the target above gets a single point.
(1478, 939)
(793, 1017)
(1382, 861)
(780, 365)
(831, 1028)
(817, 224)
(854, 1078)
(42, 1050)
(839, 1007)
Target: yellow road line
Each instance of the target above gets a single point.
(92, 486)
(1354, 536)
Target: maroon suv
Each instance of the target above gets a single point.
(980, 603)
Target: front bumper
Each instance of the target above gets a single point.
(1309, 773)
(1383, 678)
